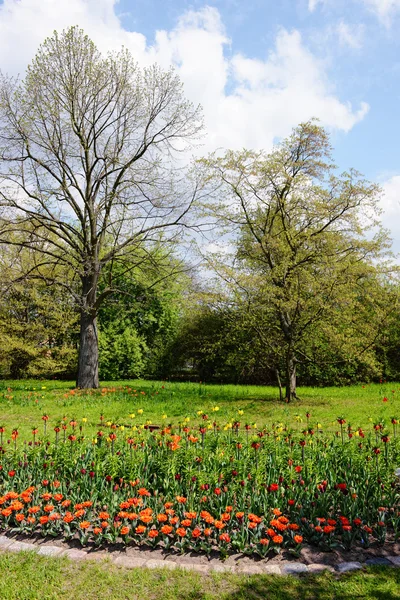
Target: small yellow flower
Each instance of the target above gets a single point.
(84, 420)
(132, 415)
(240, 412)
(319, 426)
(199, 412)
(278, 439)
(121, 428)
(43, 387)
(209, 426)
(254, 425)
(215, 409)
(164, 417)
(109, 423)
(140, 411)
(187, 419)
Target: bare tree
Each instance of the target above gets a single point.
(88, 169)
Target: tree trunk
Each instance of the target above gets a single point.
(290, 376)
(88, 362)
(278, 378)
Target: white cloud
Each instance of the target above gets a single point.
(289, 87)
(390, 204)
(350, 35)
(247, 102)
(312, 4)
(384, 9)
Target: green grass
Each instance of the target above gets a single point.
(26, 576)
(27, 401)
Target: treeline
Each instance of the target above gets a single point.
(173, 330)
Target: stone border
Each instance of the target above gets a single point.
(286, 568)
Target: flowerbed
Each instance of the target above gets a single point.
(214, 485)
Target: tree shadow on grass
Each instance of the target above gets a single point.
(373, 584)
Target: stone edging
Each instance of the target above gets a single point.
(286, 568)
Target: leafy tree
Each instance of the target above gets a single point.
(138, 324)
(216, 344)
(122, 352)
(38, 323)
(307, 243)
(88, 148)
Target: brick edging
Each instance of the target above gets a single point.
(285, 568)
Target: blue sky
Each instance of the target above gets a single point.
(258, 67)
(365, 67)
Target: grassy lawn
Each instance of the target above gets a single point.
(27, 576)
(23, 403)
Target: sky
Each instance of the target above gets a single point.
(258, 67)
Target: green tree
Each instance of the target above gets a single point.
(88, 148)
(307, 243)
(38, 322)
(138, 324)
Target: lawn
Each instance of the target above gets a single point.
(27, 576)
(23, 403)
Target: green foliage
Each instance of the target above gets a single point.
(37, 327)
(138, 324)
(122, 352)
